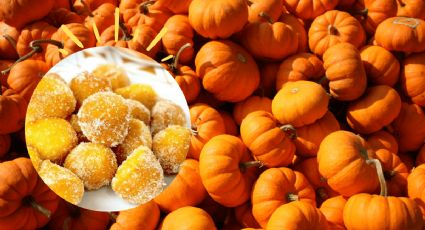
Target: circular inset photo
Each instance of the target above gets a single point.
(107, 129)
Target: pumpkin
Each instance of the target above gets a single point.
(382, 140)
(402, 34)
(178, 34)
(395, 172)
(25, 201)
(13, 108)
(20, 12)
(251, 104)
(297, 215)
(266, 140)
(145, 216)
(298, 26)
(346, 164)
(411, 8)
(345, 72)
(227, 70)
(378, 210)
(63, 4)
(177, 7)
(5, 64)
(420, 158)
(8, 39)
(83, 34)
(244, 217)
(206, 124)
(185, 190)
(409, 127)
(36, 31)
(416, 187)
(224, 168)
(308, 137)
(60, 16)
(273, 8)
(84, 7)
(138, 12)
(301, 66)
(188, 218)
(333, 209)
(275, 187)
(300, 103)
(413, 82)
(334, 27)
(373, 12)
(5, 142)
(378, 107)
(72, 217)
(229, 124)
(215, 22)
(102, 16)
(268, 73)
(25, 75)
(381, 67)
(309, 9)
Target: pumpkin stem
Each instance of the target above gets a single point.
(289, 130)
(291, 197)
(389, 174)
(402, 4)
(409, 22)
(321, 193)
(332, 30)
(126, 36)
(248, 164)
(113, 216)
(194, 131)
(173, 66)
(249, 3)
(143, 7)
(381, 177)
(30, 201)
(87, 8)
(266, 16)
(11, 41)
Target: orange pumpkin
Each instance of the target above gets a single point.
(60, 16)
(382, 140)
(301, 66)
(345, 72)
(420, 158)
(298, 26)
(216, 22)
(178, 34)
(346, 164)
(275, 187)
(381, 67)
(411, 8)
(5, 142)
(413, 82)
(333, 209)
(13, 109)
(20, 12)
(402, 34)
(224, 172)
(395, 172)
(32, 32)
(185, 190)
(5, 64)
(268, 73)
(416, 187)
(206, 124)
(177, 7)
(334, 27)
(102, 16)
(8, 38)
(188, 218)
(244, 217)
(309, 9)
(145, 216)
(251, 104)
(227, 70)
(273, 8)
(143, 12)
(377, 108)
(25, 201)
(267, 141)
(84, 7)
(63, 4)
(229, 123)
(373, 12)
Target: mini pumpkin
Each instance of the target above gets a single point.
(8, 38)
(382, 140)
(177, 7)
(179, 33)
(273, 8)
(415, 187)
(251, 104)
(413, 82)
(144, 216)
(381, 66)
(309, 9)
(18, 13)
(188, 218)
(32, 32)
(142, 12)
(102, 16)
(333, 209)
(411, 8)
(373, 12)
(13, 108)
(395, 172)
(60, 16)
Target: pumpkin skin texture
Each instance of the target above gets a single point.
(19, 12)
(177, 7)
(401, 34)
(103, 16)
(143, 12)
(411, 8)
(378, 107)
(395, 172)
(145, 216)
(37, 30)
(5, 142)
(334, 27)
(376, 12)
(275, 187)
(220, 166)
(9, 37)
(179, 33)
(412, 78)
(416, 187)
(342, 159)
(273, 8)
(13, 109)
(19, 186)
(60, 16)
(188, 81)
(188, 218)
(333, 209)
(251, 104)
(345, 72)
(227, 70)
(309, 9)
(300, 103)
(299, 27)
(381, 67)
(229, 123)
(215, 22)
(297, 215)
(185, 190)
(382, 140)
(267, 141)
(301, 66)
(379, 213)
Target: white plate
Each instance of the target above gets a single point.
(139, 69)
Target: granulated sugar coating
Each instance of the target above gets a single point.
(104, 118)
(53, 138)
(140, 92)
(139, 111)
(35, 157)
(51, 98)
(164, 114)
(116, 75)
(62, 181)
(74, 123)
(86, 84)
(140, 177)
(95, 164)
(138, 134)
(170, 146)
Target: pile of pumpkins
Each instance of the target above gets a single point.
(306, 114)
